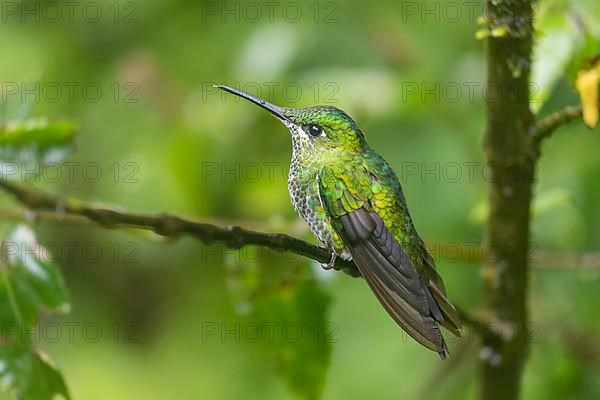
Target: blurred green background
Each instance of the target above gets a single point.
(177, 317)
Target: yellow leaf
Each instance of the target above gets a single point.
(587, 85)
(500, 31)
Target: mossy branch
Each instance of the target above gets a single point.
(167, 225)
(507, 144)
(546, 126)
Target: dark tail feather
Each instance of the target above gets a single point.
(444, 354)
(450, 318)
(388, 270)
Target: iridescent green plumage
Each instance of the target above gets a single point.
(353, 203)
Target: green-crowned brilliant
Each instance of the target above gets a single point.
(353, 203)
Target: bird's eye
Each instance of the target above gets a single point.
(315, 130)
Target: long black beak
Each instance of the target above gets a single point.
(272, 108)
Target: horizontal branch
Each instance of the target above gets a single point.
(173, 226)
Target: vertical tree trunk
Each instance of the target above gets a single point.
(508, 150)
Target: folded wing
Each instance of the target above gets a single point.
(415, 300)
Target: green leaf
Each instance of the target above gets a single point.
(30, 283)
(553, 52)
(566, 41)
(29, 374)
(290, 307)
(583, 58)
(303, 348)
(31, 144)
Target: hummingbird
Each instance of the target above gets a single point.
(353, 203)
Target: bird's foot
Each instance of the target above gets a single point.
(331, 263)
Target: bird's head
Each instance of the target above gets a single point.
(321, 128)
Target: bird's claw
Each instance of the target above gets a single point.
(331, 263)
